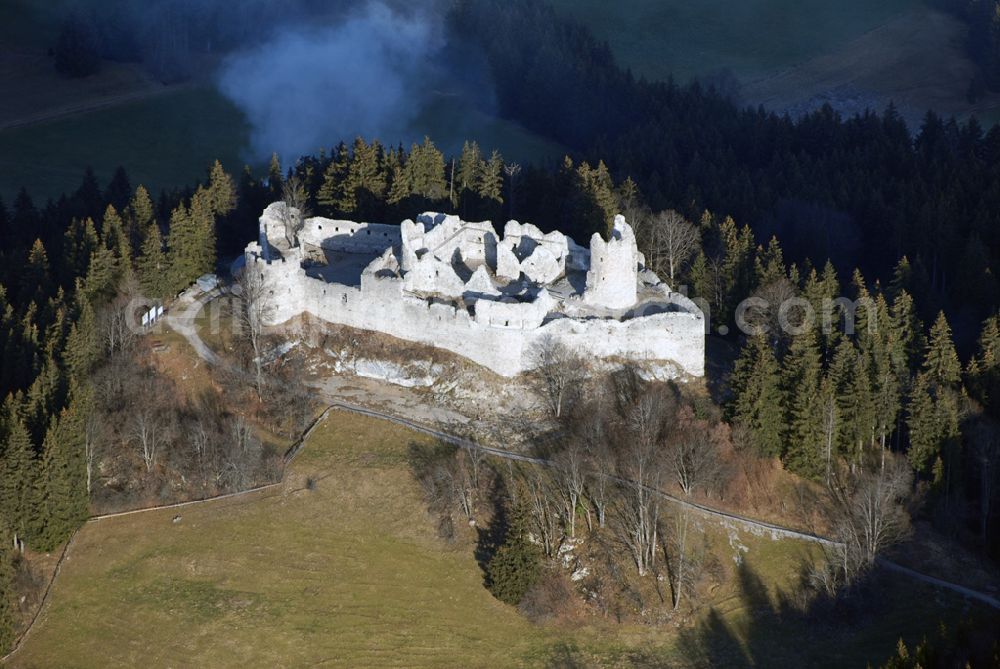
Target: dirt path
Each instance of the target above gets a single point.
(32, 92)
(89, 105)
(181, 319)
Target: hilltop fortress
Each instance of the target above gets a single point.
(459, 286)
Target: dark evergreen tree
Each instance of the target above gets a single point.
(141, 214)
(103, 276)
(400, 183)
(802, 375)
(119, 190)
(425, 172)
(517, 563)
(116, 240)
(79, 243)
(25, 222)
(941, 361)
(202, 215)
(769, 265)
(17, 475)
(83, 347)
(152, 265)
(364, 186)
(758, 400)
(332, 192)
(467, 177)
(275, 178)
(221, 191)
(984, 369)
(36, 277)
(188, 247)
(88, 201)
(7, 595)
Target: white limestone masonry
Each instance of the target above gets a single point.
(459, 286)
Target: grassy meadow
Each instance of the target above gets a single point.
(351, 573)
(168, 141)
(167, 138)
(165, 141)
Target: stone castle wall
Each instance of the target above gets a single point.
(500, 335)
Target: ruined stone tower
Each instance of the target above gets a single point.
(611, 279)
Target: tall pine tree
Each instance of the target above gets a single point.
(758, 401)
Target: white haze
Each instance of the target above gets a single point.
(308, 88)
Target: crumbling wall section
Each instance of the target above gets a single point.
(498, 333)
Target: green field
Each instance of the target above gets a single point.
(163, 142)
(351, 573)
(657, 38)
(168, 141)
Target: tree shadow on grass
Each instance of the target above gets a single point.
(490, 537)
(801, 630)
(763, 629)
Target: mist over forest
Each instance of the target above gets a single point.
(303, 72)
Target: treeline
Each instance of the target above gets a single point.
(370, 182)
(982, 42)
(862, 191)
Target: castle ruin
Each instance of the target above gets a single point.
(460, 286)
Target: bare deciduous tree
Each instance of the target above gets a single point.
(868, 515)
(199, 440)
(762, 315)
(558, 372)
(149, 433)
(116, 326)
(600, 487)
(244, 438)
(716, 281)
(570, 467)
(93, 435)
(693, 459)
(446, 474)
(242, 455)
(252, 311)
(670, 241)
(541, 493)
(642, 468)
(682, 563)
(693, 452)
(296, 198)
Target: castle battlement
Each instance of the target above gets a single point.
(459, 286)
